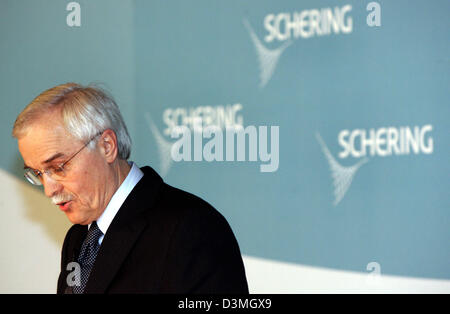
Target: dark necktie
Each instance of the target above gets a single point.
(88, 253)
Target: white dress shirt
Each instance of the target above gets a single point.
(118, 199)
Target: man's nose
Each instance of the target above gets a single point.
(51, 186)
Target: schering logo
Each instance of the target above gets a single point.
(381, 142)
(283, 27)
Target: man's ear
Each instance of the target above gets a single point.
(108, 145)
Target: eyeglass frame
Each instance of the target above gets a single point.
(30, 173)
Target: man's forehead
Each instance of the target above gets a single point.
(45, 132)
(42, 144)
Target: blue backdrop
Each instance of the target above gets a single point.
(358, 89)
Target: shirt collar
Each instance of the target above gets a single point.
(119, 197)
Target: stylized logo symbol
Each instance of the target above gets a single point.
(267, 58)
(342, 176)
(164, 147)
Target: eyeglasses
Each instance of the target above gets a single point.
(35, 176)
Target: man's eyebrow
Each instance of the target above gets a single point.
(57, 155)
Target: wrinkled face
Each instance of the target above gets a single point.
(81, 193)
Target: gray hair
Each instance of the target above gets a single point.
(86, 111)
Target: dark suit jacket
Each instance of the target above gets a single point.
(162, 240)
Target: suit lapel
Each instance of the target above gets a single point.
(79, 235)
(124, 231)
(115, 248)
(70, 253)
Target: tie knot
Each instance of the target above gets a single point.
(94, 234)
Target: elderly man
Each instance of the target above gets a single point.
(132, 233)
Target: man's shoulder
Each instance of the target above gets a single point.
(186, 204)
(177, 196)
(170, 206)
(170, 199)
